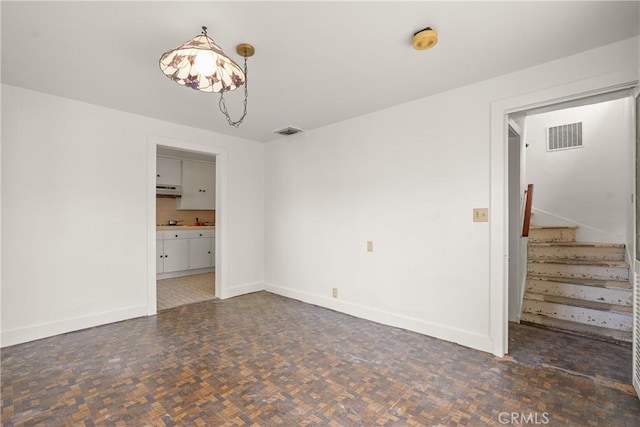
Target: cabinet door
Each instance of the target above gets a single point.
(191, 188)
(208, 176)
(198, 186)
(168, 171)
(176, 255)
(200, 253)
(159, 257)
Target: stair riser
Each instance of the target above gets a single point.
(612, 320)
(577, 252)
(552, 235)
(625, 336)
(579, 271)
(586, 293)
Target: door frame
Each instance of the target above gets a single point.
(499, 202)
(221, 246)
(635, 259)
(515, 255)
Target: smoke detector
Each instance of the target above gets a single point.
(289, 130)
(425, 39)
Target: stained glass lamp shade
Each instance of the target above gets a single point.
(202, 65)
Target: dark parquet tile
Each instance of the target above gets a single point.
(261, 359)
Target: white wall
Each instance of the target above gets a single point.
(407, 178)
(589, 186)
(74, 212)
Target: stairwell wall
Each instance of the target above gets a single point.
(589, 186)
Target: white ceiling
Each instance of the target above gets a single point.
(316, 63)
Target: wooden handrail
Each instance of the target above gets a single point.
(527, 211)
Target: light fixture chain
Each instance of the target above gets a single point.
(223, 106)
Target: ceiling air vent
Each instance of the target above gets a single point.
(289, 130)
(564, 137)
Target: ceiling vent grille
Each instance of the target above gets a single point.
(289, 130)
(564, 137)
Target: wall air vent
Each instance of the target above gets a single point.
(289, 130)
(564, 137)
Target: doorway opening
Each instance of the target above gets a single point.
(499, 233)
(578, 259)
(186, 223)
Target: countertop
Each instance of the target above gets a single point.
(185, 227)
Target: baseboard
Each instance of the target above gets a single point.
(45, 330)
(465, 338)
(246, 288)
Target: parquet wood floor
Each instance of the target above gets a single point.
(261, 359)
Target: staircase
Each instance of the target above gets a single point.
(577, 287)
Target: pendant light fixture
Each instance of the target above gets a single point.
(202, 65)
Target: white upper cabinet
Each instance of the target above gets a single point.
(168, 171)
(198, 186)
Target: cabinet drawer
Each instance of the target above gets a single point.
(185, 234)
(177, 234)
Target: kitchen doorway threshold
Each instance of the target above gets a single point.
(184, 290)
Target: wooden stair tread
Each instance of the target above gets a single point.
(578, 244)
(577, 287)
(579, 261)
(593, 331)
(610, 284)
(574, 302)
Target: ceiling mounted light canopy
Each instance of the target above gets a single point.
(425, 39)
(202, 65)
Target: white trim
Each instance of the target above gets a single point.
(221, 241)
(443, 332)
(516, 128)
(45, 330)
(498, 326)
(152, 307)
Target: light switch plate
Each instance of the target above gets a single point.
(480, 214)
(369, 245)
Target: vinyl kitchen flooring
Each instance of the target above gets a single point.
(185, 290)
(262, 359)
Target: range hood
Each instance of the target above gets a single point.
(168, 190)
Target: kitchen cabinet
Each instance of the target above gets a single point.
(201, 253)
(183, 250)
(174, 255)
(159, 256)
(198, 186)
(168, 171)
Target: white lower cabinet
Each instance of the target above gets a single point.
(184, 250)
(159, 256)
(176, 255)
(200, 253)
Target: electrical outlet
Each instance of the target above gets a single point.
(480, 214)
(334, 292)
(369, 245)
